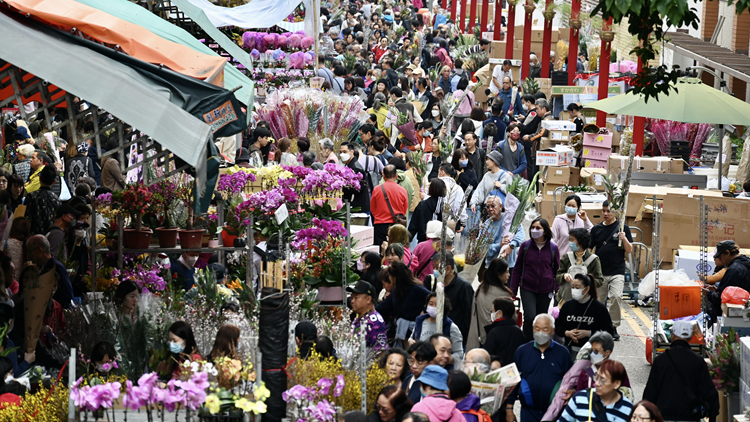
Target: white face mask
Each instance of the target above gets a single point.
(596, 358)
(577, 294)
(9, 378)
(432, 311)
(493, 316)
(345, 157)
(435, 113)
(525, 107)
(190, 260)
(80, 233)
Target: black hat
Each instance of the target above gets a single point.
(306, 331)
(725, 246)
(66, 209)
(362, 287)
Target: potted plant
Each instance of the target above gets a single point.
(135, 201)
(724, 368)
(229, 194)
(167, 233)
(190, 237)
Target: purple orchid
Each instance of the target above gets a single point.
(339, 389)
(298, 392)
(324, 384)
(132, 399)
(323, 411)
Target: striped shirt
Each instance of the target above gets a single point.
(577, 409)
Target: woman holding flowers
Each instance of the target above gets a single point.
(182, 346)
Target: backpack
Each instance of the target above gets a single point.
(575, 269)
(481, 415)
(372, 177)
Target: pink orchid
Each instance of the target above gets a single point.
(339, 389)
(324, 384)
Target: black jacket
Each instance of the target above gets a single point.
(504, 337)
(737, 275)
(591, 316)
(421, 216)
(666, 390)
(467, 178)
(414, 393)
(408, 308)
(461, 295)
(359, 198)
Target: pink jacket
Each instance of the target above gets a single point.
(439, 408)
(561, 229)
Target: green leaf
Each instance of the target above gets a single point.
(623, 5)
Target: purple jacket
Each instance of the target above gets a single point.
(470, 402)
(537, 266)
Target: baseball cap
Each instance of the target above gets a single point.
(683, 329)
(362, 287)
(724, 246)
(434, 228)
(306, 331)
(411, 67)
(66, 209)
(22, 133)
(435, 376)
(419, 71)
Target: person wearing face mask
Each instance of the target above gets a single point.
(185, 268)
(103, 359)
(426, 324)
(542, 364)
(493, 286)
(597, 350)
(182, 346)
(503, 244)
(579, 260)
(574, 218)
(514, 156)
(436, 117)
(504, 337)
(424, 136)
(467, 176)
(430, 247)
(358, 198)
(583, 316)
(435, 402)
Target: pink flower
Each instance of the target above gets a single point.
(132, 399)
(339, 386)
(324, 384)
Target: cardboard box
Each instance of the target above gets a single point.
(594, 177)
(593, 211)
(562, 175)
(365, 235)
(745, 359)
(559, 125)
(619, 163)
(730, 310)
(565, 115)
(598, 140)
(681, 224)
(690, 262)
(564, 34)
(548, 190)
(517, 55)
(594, 164)
(559, 135)
(591, 153)
(497, 49)
(546, 209)
(556, 156)
(647, 229)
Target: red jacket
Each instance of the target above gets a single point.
(379, 208)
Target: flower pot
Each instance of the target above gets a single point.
(167, 237)
(331, 294)
(226, 238)
(191, 239)
(733, 405)
(136, 239)
(205, 239)
(213, 243)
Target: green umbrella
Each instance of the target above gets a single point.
(694, 102)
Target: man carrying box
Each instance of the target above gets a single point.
(605, 238)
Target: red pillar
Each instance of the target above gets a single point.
(575, 26)
(445, 2)
(485, 14)
(453, 10)
(511, 31)
(606, 50)
(462, 17)
(528, 12)
(639, 124)
(472, 16)
(498, 22)
(546, 43)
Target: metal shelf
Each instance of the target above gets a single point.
(157, 249)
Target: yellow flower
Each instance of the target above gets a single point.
(261, 393)
(244, 405)
(259, 408)
(213, 404)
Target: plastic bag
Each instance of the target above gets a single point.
(735, 296)
(713, 184)
(666, 278)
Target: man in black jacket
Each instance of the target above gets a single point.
(504, 336)
(737, 274)
(679, 380)
(349, 156)
(459, 292)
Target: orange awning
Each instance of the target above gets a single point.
(134, 40)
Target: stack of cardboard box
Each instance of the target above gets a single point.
(597, 147)
(617, 164)
(559, 133)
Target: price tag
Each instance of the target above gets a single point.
(281, 214)
(723, 158)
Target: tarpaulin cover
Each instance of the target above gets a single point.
(253, 15)
(273, 338)
(135, 14)
(134, 40)
(127, 92)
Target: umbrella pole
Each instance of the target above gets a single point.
(721, 151)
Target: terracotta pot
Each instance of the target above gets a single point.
(167, 237)
(226, 238)
(204, 241)
(191, 239)
(136, 239)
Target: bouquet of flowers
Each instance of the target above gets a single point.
(725, 362)
(320, 231)
(480, 239)
(405, 125)
(148, 276)
(518, 202)
(330, 181)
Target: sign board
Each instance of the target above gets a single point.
(316, 82)
(579, 90)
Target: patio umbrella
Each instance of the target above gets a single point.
(694, 102)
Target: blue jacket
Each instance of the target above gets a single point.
(445, 84)
(494, 249)
(414, 393)
(499, 121)
(505, 95)
(522, 163)
(539, 375)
